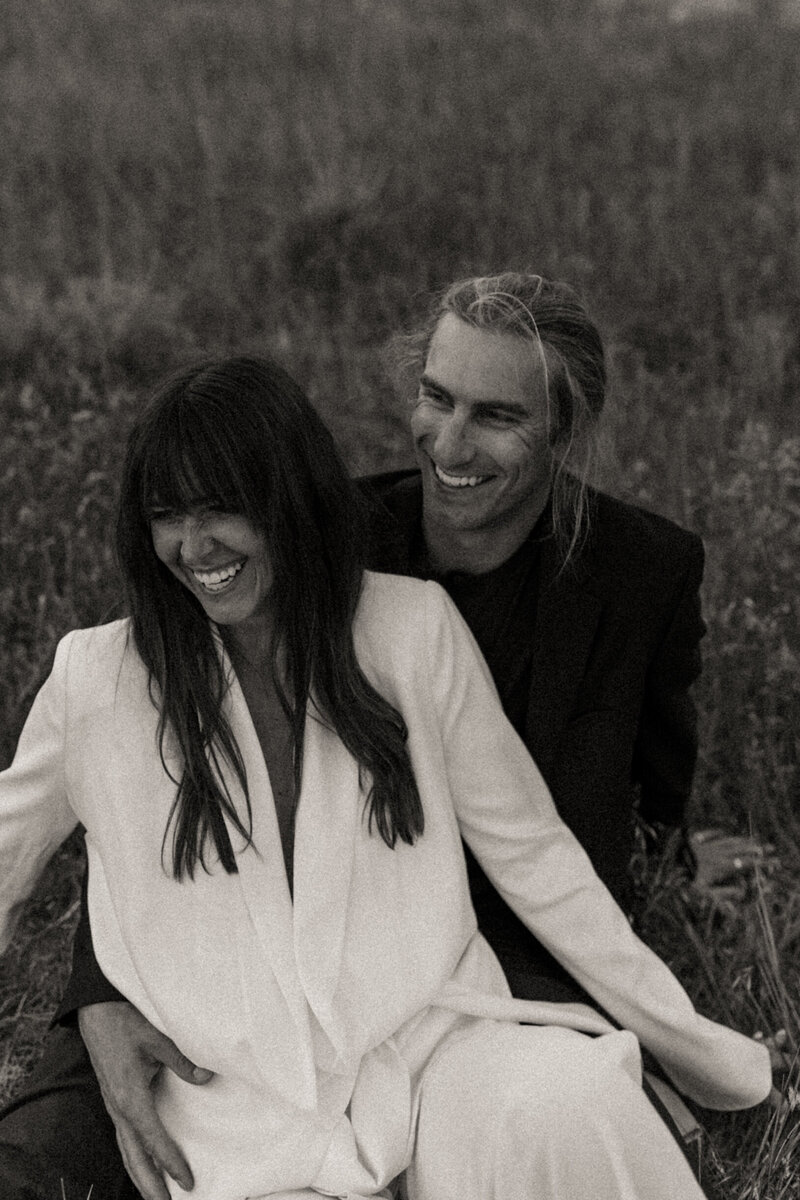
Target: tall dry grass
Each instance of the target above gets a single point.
(293, 176)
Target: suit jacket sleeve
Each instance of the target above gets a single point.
(87, 984)
(666, 746)
(35, 815)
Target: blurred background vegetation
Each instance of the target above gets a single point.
(295, 177)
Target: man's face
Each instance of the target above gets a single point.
(480, 430)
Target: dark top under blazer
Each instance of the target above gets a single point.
(610, 721)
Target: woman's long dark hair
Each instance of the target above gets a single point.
(240, 433)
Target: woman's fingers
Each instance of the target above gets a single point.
(782, 1055)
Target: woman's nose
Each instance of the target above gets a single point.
(196, 540)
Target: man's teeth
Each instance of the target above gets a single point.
(458, 480)
(215, 581)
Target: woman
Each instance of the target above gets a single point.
(275, 758)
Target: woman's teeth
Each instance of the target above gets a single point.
(217, 581)
(458, 480)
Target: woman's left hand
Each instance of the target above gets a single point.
(783, 1060)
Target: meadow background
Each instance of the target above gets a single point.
(295, 177)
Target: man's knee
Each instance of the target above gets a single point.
(55, 1134)
(61, 1084)
(23, 1176)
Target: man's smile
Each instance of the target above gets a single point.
(458, 481)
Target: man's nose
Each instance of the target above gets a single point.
(453, 445)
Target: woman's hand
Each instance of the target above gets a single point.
(127, 1053)
(783, 1059)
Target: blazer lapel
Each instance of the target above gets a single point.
(566, 622)
(265, 891)
(304, 941)
(327, 825)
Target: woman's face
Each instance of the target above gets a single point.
(220, 557)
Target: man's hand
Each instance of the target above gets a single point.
(127, 1053)
(724, 865)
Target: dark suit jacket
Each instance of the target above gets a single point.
(610, 721)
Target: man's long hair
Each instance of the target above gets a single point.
(240, 434)
(569, 350)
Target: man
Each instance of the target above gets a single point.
(587, 612)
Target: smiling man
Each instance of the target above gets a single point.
(586, 609)
(481, 431)
(587, 612)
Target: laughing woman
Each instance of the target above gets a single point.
(275, 757)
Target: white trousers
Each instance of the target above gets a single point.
(523, 1112)
(513, 1112)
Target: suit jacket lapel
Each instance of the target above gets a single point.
(566, 622)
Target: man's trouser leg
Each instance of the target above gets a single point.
(56, 1137)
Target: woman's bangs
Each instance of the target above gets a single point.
(186, 465)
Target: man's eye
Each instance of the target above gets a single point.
(497, 417)
(434, 398)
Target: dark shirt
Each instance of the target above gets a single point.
(592, 665)
(499, 606)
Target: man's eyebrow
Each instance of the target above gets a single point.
(427, 382)
(503, 406)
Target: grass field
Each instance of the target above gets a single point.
(294, 177)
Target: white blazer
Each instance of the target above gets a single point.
(319, 1016)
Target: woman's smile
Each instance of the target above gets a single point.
(217, 579)
(220, 557)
